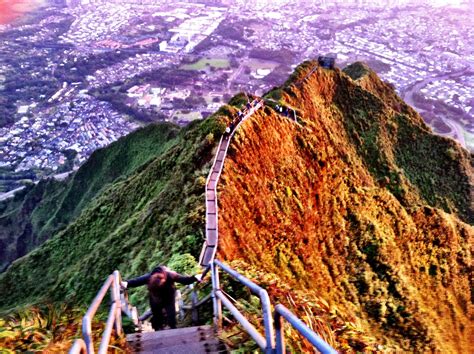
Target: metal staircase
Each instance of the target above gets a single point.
(200, 339)
(195, 340)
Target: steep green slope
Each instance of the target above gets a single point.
(400, 150)
(133, 224)
(38, 212)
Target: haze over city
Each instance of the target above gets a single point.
(274, 176)
(77, 75)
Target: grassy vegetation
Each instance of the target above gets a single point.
(403, 155)
(432, 164)
(322, 226)
(207, 62)
(49, 329)
(300, 72)
(51, 205)
(329, 322)
(356, 70)
(335, 209)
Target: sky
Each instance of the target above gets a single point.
(11, 9)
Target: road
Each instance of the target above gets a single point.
(375, 54)
(234, 75)
(58, 177)
(408, 98)
(10, 194)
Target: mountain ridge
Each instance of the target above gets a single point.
(42, 210)
(343, 206)
(337, 207)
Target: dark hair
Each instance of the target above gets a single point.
(159, 269)
(155, 281)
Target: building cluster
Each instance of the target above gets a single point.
(451, 92)
(194, 29)
(38, 141)
(97, 24)
(418, 51)
(133, 66)
(415, 45)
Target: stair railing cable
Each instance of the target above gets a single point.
(114, 319)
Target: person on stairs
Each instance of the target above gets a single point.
(161, 293)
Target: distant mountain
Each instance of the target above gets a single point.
(355, 215)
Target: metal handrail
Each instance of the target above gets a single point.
(119, 303)
(267, 343)
(281, 312)
(79, 347)
(195, 302)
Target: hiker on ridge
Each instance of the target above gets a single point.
(161, 293)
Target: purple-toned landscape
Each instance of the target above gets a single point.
(235, 176)
(76, 75)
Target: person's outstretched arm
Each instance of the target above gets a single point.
(182, 279)
(133, 283)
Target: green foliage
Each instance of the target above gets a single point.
(402, 155)
(113, 233)
(430, 163)
(47, 328)
(239, 100)
(299, 72)
(357, 70)
(183, 263)
(51, 205)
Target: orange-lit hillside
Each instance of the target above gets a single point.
(359, 205)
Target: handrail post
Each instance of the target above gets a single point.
(279, 334)
(194, 310)
(179, 303)
(116, 299)
(79, 347)
(113, 319)
(319, 343)
(267, 321)
(87, 334)
(215, 300)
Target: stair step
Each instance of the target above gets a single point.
(169, 333)
(178, 338)
(212, 346)
(199, 339)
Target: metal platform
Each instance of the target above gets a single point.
(200, 339)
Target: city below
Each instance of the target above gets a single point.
(77, 75)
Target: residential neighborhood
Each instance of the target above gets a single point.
(77, 75)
